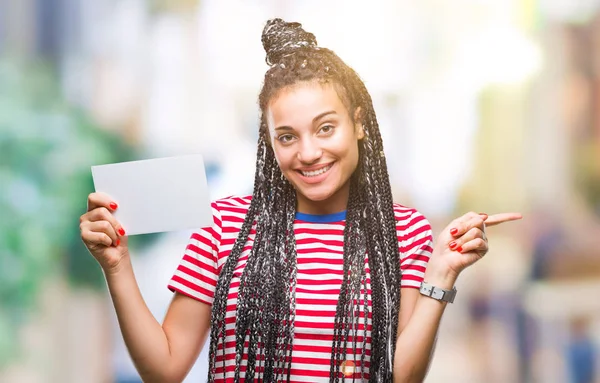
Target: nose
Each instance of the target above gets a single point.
(309, 151)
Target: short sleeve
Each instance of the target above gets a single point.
(415, 241)
(197, 273)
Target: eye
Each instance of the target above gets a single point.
(326, 129)
(285, 138)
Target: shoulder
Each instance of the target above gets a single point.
(232, 208)
(410, 220)
(233, 201)
(415, 240)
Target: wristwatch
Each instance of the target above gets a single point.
(437, 292)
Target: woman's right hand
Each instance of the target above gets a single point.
(102, 234)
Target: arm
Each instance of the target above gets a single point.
(459, 245)
(419, 321)
(160, 353)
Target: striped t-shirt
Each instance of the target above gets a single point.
(319, 242)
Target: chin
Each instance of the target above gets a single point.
(317, 194)
(316, 197)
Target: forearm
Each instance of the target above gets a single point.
(414, 346)
(144, 336)
(416, 342)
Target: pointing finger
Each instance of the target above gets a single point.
(497, 219)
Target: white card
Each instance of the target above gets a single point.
(157, 195)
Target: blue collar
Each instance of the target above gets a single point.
(321, 218)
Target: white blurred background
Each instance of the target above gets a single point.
(485, 105)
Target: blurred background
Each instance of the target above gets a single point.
(484, 105)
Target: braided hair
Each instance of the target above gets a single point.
(266, 309)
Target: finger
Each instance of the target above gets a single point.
(458, 243)
(96, 238)
(466, 223)
(103, 214)
(476, 245)
(102, 227)
(458, 224)
(96, 200)
(497, 219)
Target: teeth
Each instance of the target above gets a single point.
(316, 172)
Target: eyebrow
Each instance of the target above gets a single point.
(317, 118)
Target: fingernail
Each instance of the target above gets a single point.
(118, 242)
(113, 206)
(459, 249)
(453, 231)
(452, 245)
(121, 232)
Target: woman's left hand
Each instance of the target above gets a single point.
(462, 243)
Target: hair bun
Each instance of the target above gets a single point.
(280, 39)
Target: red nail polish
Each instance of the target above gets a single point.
(118, 242)
(452, 245)
(459, 249)
(113, 205)
(121, 232)
(453, 231)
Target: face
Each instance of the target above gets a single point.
(316, 144)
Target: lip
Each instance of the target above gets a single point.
(314, 167)
(316, 179)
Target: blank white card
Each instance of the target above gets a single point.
(157, 195)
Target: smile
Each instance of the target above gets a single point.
(315, 173)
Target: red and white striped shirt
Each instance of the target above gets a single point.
(319, 242)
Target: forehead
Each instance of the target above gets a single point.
(303, 101)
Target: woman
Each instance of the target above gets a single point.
(316, 276)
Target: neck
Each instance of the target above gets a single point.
(334, 204)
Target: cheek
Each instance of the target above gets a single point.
(352, 157)
(278, 159)
(281, 157)
(349, 149)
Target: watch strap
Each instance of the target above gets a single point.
(437, 292)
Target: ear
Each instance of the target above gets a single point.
(358, 114)
(360, 128)
(360, 131)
